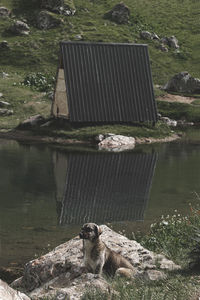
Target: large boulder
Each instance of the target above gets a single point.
(116, 142)
(47, 20)
(119, 13)
(4, 12)
(183, 82)
(64, 7)
(170, 41)
(7, 293)
(20, 28)
(61, 271)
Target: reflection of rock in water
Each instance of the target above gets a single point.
(104, 187)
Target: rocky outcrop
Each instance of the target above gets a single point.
(170, 41)
(6, 112)
(31, 122)
(7, 293)
(4, 12)
(60, 272)
(47, 20)
(20, 28)
(119, 13)
(184, 83)
(63, 7)
(115, 142)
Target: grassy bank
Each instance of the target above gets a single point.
(177, 237)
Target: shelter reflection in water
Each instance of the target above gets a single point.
(102, 187)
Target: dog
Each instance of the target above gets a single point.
(98, 257)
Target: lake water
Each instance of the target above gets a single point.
(47, 193)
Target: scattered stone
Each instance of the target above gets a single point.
(4, 12)
(6, 112)
(4, 75)
(63, 7)
(184, 123)
(7, 293)
(146, 35)
(3, 103)
(60, 272)
(4, 45)
(47, 20)
(119, 13)
(183, 82)
(116, 143)
(168, 121)
(163, 48)
(170, 41)
(20, 28)
(33, 121)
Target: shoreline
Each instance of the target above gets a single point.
(27, 136)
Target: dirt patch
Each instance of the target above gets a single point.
(176, 98)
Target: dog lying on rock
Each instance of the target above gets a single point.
(98, 257)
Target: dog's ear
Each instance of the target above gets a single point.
(99, 231)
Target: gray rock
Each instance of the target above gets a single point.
(61, 272)
(117, 143)
(155, 36)
(6, 112)
(4, 12)
(183, 82)
(63, 7)
(4, 75)
(4, 103)
(7, 293)
(168, 121)
(1, 95)
(20, 28)
(4, 45)
(33, 121)
(47, 20)
(170, 41)
(119, 13)
(78, 37)
(146, 35)
(99, 137)
(163, 48)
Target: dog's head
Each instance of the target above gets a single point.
(90, 231)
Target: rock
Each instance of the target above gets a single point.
(47, 20)
(78, 37)
(170, 41)
(20, 28)
(63, 7)
(99, 137)
(168, 121)
(163, 48)
(117, 143)
(1, 95)
(4, 45)
(3, 75)
(183, 82)
(146, 35)
(33, 121)
(61, 272)
(7, 293)
(119, 13)
(184, 123)
(173, 42)
(4, 103)
(4, 12)
(6, 112)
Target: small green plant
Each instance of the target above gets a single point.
(40, 82)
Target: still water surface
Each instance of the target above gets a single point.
(46, 193)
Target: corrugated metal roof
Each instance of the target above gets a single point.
(108, 82)
(107, 187)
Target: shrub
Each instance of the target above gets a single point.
(40, 82)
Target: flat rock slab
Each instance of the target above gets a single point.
(61, 270)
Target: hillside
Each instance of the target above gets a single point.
(38, 51)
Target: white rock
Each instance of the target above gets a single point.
(7, 293)
(117, 143)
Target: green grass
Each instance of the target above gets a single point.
(89, 133)
(179, 111)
